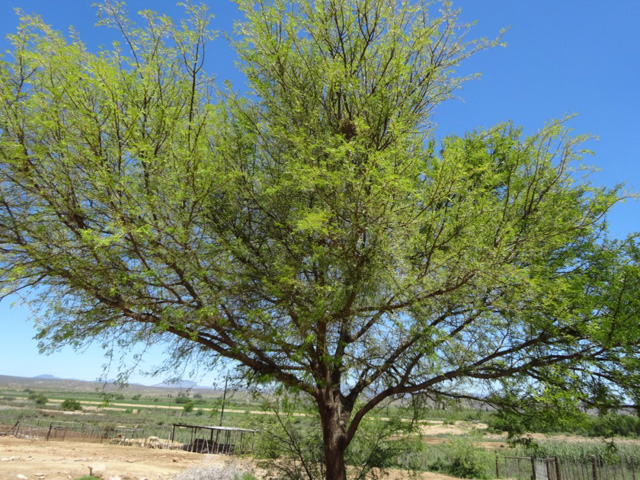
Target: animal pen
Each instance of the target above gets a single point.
(212, 439)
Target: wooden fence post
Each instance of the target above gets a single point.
(594, 467)
(533, 468)
(497, 467)
(557, 462)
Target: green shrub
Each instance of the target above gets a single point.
(71, 405)
(612, 425)
(188, 407)
(40, 399)
(462, 459)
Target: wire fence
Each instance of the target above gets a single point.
(227, 441)
(593, 468)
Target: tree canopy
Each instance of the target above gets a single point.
(311, 230)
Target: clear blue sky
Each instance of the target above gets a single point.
(562, 57)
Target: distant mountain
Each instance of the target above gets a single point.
(182, 385)
(52, 383)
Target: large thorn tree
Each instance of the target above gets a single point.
(310, 230)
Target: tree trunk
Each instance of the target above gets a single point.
(334, 439)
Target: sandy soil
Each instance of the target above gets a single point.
(437, 427)
(42, 460)
(39, 459)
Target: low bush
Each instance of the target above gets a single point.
(70, 405)
(463, 459)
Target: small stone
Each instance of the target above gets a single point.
(97, 469)
(21, 477)
(175, 459)
(5, 459)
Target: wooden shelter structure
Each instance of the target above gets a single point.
(214, 439)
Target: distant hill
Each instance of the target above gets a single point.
(52, 383)
(182, 385)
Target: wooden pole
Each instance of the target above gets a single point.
(594, 467)
(224, 397)
(557, 462)
(497, 467)
(533, 468)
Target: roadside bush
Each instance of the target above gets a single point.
(40, 399)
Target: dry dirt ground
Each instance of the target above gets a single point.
(42, 460)
(39, 459)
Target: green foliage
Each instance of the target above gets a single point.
(188, 406)
(380, 444)
(611, 425)
(286, 435)
(39, 399)
(464, 460)
(312, 232)
(294, 431)
(70, 404)
(107, 398)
